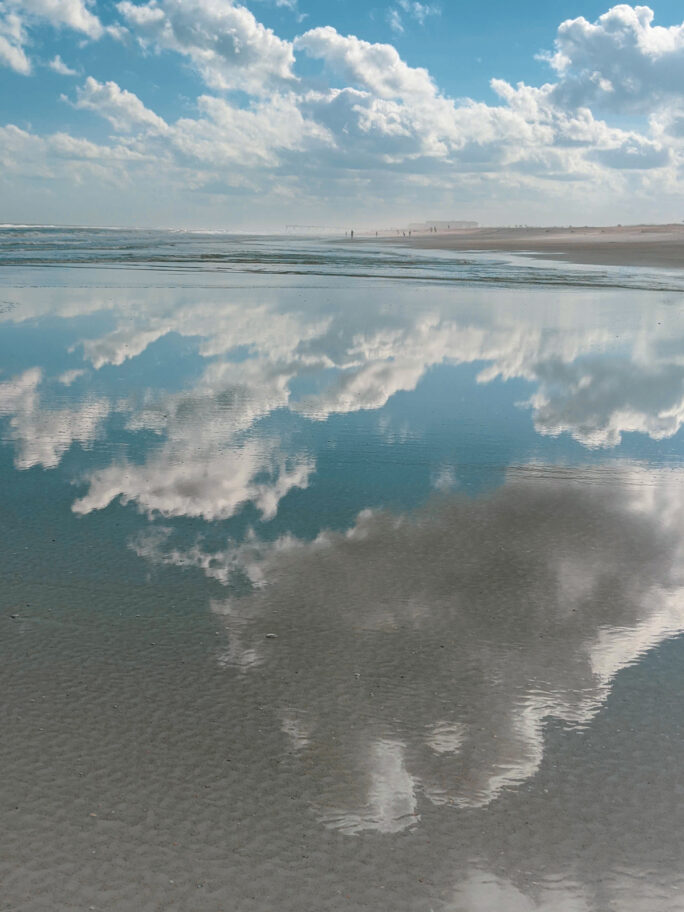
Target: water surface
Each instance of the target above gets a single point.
(337, 577)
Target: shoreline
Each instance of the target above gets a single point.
(660, 246)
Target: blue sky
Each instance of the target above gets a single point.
(212, 113)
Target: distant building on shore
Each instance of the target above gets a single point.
(441, 225)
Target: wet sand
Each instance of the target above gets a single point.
(350, 585)
(634, 245)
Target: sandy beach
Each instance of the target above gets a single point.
(633, 245)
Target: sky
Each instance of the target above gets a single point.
(254, 116)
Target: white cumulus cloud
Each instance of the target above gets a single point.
(73, 14)
(376, 67)
(124, 110)
(622, 61)
(17, 17)
(13, 37)
(372, 132)
(58, 66)
(225, 42)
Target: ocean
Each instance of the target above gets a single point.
(337, 576)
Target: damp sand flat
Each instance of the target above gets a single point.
(649, 245)
(339, 592)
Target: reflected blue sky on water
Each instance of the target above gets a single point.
(435, 528)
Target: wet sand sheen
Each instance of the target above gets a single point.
(359, 594)
(385, 749)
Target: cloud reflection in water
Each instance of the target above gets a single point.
(417, 656)
(262, 353)
(429, 670)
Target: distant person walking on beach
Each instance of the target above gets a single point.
(352, 232)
